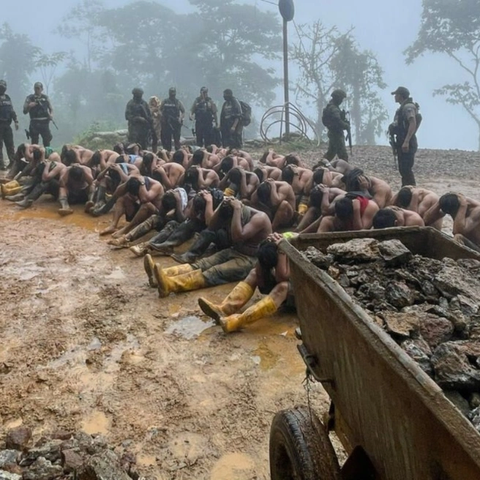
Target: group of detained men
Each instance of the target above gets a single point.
(233, 207)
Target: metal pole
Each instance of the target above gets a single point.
(285, 80)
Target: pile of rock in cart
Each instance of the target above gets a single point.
(62, 456)
(429, 307)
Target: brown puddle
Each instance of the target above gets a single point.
(234, 466)
(189, 327)
(48, 210)
(265, 357)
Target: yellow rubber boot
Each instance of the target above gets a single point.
(181, 283)
(177, 270)
(149, 266)
(11, 188)
(265, 307)
(234, 301)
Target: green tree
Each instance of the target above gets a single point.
(452, 27)
(329, 59)
(81, 23)
(47, 65)
(360, 73)
(233, 45)
(18, 57)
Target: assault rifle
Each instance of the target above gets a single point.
(46, 112)
(346, 118)
(393, 144)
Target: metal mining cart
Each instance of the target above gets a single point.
(393, 420)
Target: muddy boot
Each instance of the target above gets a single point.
(158, 240)
(181, 283)
(15, 198)
(99, 198)
(140, 249)
(234, 301)
(264, 308)
(11, 188)
(96, 212)
(149, 266)
(197, 249)
(90, 203)
(65, 207)
(35, 194)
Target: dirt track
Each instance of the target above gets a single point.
(86, 344)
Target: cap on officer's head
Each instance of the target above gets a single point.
(137, 91)
(38, 85)
(402, 91)
(172, 90)
(203, 89)
(3, 83)
(339, 93)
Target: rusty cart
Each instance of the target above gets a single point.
(393, 420)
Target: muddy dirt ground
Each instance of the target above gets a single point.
(87, 344)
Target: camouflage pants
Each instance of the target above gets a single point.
(225, 266)
(40, 128)
(336, 146)
(6, 137)
(138, 135)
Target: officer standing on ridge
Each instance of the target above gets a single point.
(334, 119)
(139, 119)
(7, 114)
(205, 112)
(172, 111)
(40, 109)
(404, 127)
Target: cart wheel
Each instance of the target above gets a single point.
(300, 448)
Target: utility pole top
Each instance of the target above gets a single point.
(287, 9)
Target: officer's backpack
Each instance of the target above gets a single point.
(246, 113)
(327, 118)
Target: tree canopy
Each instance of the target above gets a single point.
(452, 27)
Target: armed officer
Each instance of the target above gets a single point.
(40, 109)
(334, 119)
(7, 114)
(404, 128)
(139, 119)
(172, 111)
(205, 112)
(231, 121)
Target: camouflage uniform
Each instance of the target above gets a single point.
(336, 125)
(139, 119)
(39, 117)
(7, 114)
(231, 111)
(406, 160)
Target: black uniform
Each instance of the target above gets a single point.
(171, 108)
(39, 118)
(7, 114)
(205, 111)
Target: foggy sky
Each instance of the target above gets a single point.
(383, 27)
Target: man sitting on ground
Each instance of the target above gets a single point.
(247, 228)
(271, 275)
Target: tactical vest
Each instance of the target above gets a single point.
(39, 111)
(203, 109)
(171, 108)
(6, 109)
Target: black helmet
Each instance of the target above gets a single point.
(339, 93)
